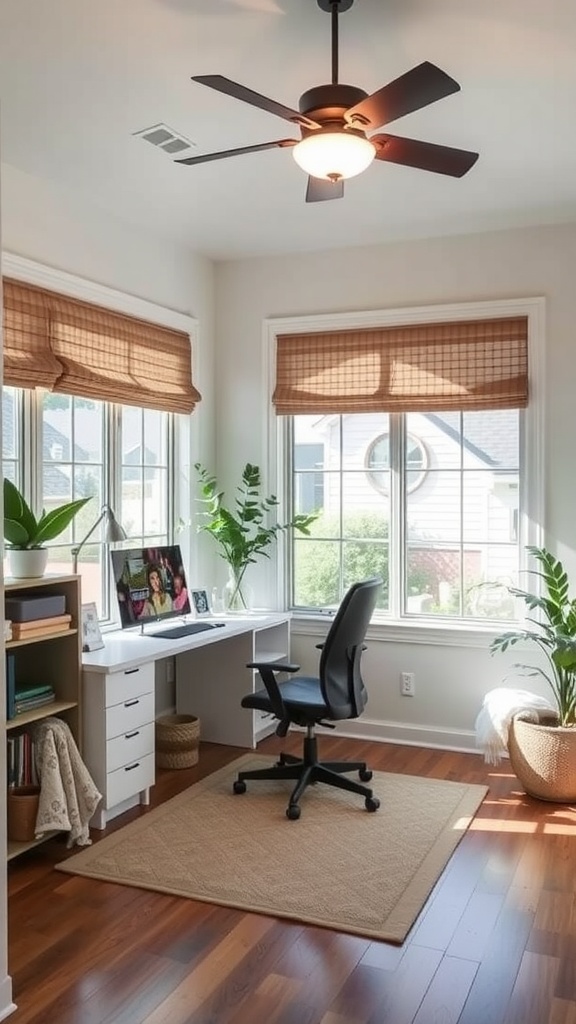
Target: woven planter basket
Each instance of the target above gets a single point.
(21, 813)
(177, 741)
(544, 759)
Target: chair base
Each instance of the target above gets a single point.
(307, 770)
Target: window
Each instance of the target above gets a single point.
(119, 455)
(74, 352)
(441, 502)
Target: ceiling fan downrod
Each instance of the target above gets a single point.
(334, 8)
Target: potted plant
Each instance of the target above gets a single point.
(243, 534)
(26, 534)
(543, 756)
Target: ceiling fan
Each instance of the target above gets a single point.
(334, 119)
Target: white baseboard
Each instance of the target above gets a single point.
(6, 1005)
(460, 740)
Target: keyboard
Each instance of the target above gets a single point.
(186, 629)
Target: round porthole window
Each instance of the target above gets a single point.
(378, 462)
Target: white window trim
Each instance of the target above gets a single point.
(532, 495)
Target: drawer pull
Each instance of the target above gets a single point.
(131, 703)
(130, 671)
(130, 767)
(131, 735)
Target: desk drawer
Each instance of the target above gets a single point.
(133, 712)
(129, 780)
(120, 686)
(124, 749)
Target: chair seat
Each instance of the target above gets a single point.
(300, 694)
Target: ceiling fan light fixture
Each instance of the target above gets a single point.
(334, 155)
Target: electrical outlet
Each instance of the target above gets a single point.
(407, 684)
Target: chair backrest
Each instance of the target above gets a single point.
(339, 672)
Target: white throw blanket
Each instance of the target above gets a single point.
(499, 707)
(68, 796)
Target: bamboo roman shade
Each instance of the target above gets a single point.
(77, 348)
(477, 364)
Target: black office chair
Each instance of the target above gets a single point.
(337, 693)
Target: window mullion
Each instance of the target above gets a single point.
(112, 447)
(397, 525)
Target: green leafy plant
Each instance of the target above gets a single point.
(243, 533)
(22, 529)
(554, 632)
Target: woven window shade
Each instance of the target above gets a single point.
(28, 359)
(478, 364)
(95, 352)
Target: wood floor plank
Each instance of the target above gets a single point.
(534, 990)
(88, 952)
(448, 991)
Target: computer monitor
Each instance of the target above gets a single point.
(150, 584)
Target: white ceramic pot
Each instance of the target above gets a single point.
(27, 563)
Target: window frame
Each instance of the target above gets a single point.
(532, 441)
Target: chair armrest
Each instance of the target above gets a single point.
(275, 666)
(268, 670)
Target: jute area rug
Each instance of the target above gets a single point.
(338, 866)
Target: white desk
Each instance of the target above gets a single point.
(211, 678)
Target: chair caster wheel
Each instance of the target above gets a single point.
(365, 775)
(239, 786)
(372, 803)
(293, 812)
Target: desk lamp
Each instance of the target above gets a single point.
(113, 532)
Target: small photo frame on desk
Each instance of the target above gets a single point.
(91, 635)
(200, 603)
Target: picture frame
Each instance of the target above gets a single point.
(200, 603)
(91, 635)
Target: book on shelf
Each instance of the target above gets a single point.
(31, 703)
(22, 631)
(52, 620)
(21, 761)
(10, 686)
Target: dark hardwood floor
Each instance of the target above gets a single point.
(495, 944)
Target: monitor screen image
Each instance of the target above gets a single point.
(150, 584)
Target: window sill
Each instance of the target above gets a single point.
(435, 633)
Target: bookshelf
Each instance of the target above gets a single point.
(52, 658)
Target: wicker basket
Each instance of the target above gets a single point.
(22, 811)
(177, 741)
(544, 759)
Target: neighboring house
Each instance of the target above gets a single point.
(56, 449)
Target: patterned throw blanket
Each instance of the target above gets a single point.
(68, 796)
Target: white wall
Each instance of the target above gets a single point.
(61, 230)
(450, 681)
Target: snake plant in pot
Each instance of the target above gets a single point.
(243, 532)
(544, 755)
(26, 534)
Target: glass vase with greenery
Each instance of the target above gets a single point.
(243, 531)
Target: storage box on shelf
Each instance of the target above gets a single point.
(43, 661)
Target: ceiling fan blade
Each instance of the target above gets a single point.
(424, 155)
(206, 157)
(240, 92)
(319, 189)
(420, 86)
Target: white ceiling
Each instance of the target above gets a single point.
(78, 78)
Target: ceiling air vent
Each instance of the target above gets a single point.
(165, 138)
